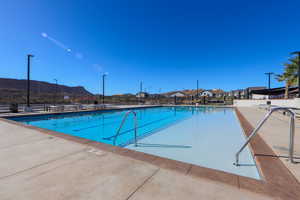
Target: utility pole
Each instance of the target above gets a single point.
(269, 78)
(297, 53)
(28, 79)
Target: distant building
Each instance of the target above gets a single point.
(243, 94)
(142, 95)
(206, 93)
(177, 94)
(250, 90)
(274, 93)
(247, 93)
(155, 95)
(218, 93)
(237, 94)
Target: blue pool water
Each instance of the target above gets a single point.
(204, 136)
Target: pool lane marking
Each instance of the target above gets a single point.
(150, 132)
(77, 130)
(153, 131)
(124, 132)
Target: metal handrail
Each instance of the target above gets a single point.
(254, 132)
(122, 123)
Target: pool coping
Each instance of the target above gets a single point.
(277, 180)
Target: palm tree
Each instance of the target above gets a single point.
(290, 75)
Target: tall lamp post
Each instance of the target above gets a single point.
(141, 90)
(55, 100)
(298, 54)
(197, 90)
(29, 56)
(159, 94)
(269, 78)
(103, 86)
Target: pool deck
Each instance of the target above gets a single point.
(275, 132)
(41, 164)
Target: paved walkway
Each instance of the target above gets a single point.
(275, 133)
(37, 166)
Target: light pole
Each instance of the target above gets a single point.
(298, 54)
(159, 94)
(55, 100)
(103, 86)
(141, 90)
(269, 78)
(28, 79)
(197, 89)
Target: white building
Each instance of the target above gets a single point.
(142, 95)
(206, 93)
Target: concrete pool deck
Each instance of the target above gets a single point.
(40, 164)
(275, 132)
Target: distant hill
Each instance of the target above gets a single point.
(15, 89)
(42, 87)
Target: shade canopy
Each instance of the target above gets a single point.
(275, 91)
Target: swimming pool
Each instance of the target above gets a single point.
(205, 136)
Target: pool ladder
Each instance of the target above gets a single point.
(254, 132)
(122, 123)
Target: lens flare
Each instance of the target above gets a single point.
(77, 55)
(56, 42)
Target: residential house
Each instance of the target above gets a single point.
(237, 94)
(142, 95)
(218, 93)
(206, 93)
(177, 94)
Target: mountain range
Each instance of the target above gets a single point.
(15, 90)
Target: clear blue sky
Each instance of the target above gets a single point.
(166, 44)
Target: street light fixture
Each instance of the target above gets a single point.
(28, 81)
(55, 99)
(141, 91)
(298, 54)
(197, 89)
(103, 86)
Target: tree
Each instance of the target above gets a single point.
(290, 75)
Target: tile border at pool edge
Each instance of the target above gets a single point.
(240, 182)
(243, 123)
